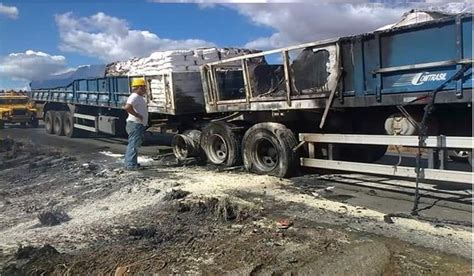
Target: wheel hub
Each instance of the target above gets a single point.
(266, 155)
(218, 149)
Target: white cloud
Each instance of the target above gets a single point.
(20, 85)
(110, 38)
(31, 65)
(305, 22)
(9, 11)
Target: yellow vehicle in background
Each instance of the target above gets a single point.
(16, 108)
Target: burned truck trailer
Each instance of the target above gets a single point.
(335, 103)
(346, 99)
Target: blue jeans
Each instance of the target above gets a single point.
(135, 137)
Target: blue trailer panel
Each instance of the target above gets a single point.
(409, 59)
(383, 68)
(101, 92)
(173, 93)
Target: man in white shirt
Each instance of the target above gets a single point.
(137, 121)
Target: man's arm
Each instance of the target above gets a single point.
(129, 108)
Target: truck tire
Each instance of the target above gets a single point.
(58, 123)
(268, 149)
(68, 125)
(48, 121)
(221, 142)
(187, 144)
(34, 123)
(121, 130)
(360, 153)
(69, 129)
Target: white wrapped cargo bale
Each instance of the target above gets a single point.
(416, 16)
(173, 61)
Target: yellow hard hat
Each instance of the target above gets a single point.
(138, 82)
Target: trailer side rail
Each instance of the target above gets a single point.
(433, 143)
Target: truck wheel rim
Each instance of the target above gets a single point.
(265, 155)
(218, 149)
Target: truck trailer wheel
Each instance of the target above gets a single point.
(268, 149)
(58, 123)
(34, 122)
(187, 144)
(68, 126)
(48, 121)
(221, 144)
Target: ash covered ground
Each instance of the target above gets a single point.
(65, 214)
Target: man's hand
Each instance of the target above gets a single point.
(130, 110)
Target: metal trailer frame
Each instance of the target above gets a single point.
(388, 68)
(433, 143)
(252, 103)
(179, 98)
(368, 64)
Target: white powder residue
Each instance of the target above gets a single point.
(143, 160)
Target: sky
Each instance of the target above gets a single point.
(41, 38)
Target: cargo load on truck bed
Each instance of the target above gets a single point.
(172, 77)
(176, 61)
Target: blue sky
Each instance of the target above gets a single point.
(38, 31)
(39, 38)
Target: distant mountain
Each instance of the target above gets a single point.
(61, 80)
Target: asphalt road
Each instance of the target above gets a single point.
(89, 146)
(388, 195)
